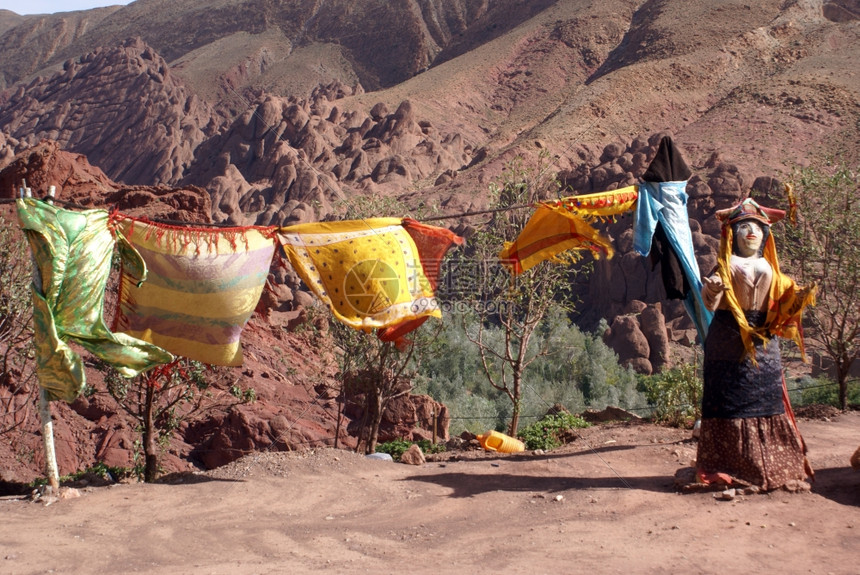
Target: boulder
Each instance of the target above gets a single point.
(653, 326)
(627, 339)
(413, 456)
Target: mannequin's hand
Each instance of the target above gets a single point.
(714, 284)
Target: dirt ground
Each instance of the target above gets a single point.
(605, 503)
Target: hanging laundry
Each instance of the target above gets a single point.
(559, 229)
(668, 166)
(432, 244)
(661, 228)
(204, 283)
(72, 253)
(368, 272)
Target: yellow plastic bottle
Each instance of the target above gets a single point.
(495, 441)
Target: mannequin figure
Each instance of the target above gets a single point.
(748, 435)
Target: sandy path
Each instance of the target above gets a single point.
(604, 504)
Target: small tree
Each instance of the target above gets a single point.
(578, 371)
(518, 304)
(824, 248)
(17, 368)
(165, 396)
(374, 370)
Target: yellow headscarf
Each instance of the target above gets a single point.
(787, 300)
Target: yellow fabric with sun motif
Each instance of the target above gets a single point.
(367, 271)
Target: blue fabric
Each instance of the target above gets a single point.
(645, 219)
(666, 203)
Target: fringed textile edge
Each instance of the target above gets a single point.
(174, 236)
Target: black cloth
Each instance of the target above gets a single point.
(734, 387)
(674, 279)
(668, 166)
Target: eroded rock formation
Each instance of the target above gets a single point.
(120, 107)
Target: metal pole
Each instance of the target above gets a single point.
(51, 469)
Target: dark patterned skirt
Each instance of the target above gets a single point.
(734, 385)
(746, 436)
(762, 451)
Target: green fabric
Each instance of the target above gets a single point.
(72, 255)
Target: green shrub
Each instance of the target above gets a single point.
(396, 447)
(548, 432)
(676, 395)
(428, 447)
(99, 469)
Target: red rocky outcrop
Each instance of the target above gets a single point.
(410, 417)
(80, 183)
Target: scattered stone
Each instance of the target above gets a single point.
(797, 486)
(380, 456)
(413, 456)
(69, 493)
(726, 495)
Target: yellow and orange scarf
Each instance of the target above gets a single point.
(785, 306)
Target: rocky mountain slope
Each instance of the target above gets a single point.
(287, 112)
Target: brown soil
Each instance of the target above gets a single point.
(605, 503)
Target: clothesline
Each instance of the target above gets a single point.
(375, 273)
(216, 225)
(158, 220)
(478, 213)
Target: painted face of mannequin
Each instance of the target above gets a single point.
(749, 238)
